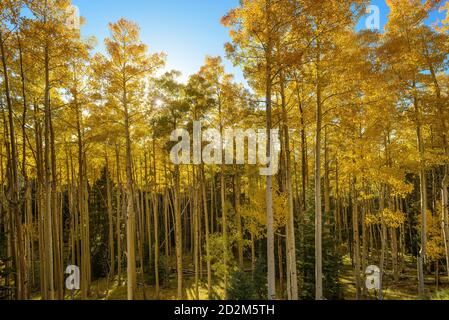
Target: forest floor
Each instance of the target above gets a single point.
(405, 289)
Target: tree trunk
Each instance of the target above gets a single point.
(178, 234)
(16, 216)
(355, 226)
(238, 218)
(291, 245)
(206, 224)
(130, 219)
(423, 192)
(110, 222)
(269, 190)
(47, 184)
(318, 204)
(156, 243)
(445, 218)
(119, 218)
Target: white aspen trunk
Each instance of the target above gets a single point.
(156, 243)
(445, 219)
(355, 226)
(423, 193)
(318, 201)
(110, 222)
(178, 234)
(119, 218)
(291, 245)
(206, 224)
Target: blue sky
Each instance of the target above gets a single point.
(187, 30)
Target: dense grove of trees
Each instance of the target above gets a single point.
(86, 177)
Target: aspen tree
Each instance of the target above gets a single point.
(129, 64)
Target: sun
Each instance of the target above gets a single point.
(159, 103)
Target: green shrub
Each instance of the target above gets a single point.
(246, 286)
(241, 286)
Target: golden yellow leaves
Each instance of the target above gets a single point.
(395, 178)
(435, 240)
(400, 187)
(254, 214)
(228, 19)
(446, 20)
(391, 219)
(371, 219)
(125, 29)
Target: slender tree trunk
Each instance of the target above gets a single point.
(167, 231)
(394, 247)
(140, 238)
(47, 185)
(110, 221)
(119, 218)
(57, 217)
(364, 245)
(178, 234)
(327, 200)
(13, 200)
(130, 219)
(28, 210)
(253, 254)
(269, 188)
(423, 192)
(281, 269)
(224, 212)
(318, 202)
(206, 224)
(445, 182)
(445, 218)
(291, 245)
(83, 209)
(238, 218)
(156, 243)
(355, 226)
(196, 231)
